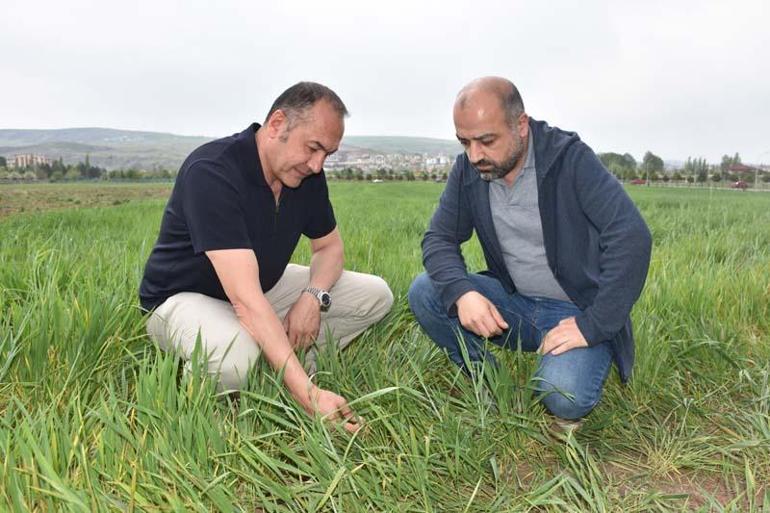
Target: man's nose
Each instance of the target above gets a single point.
(475, 154)
(316, 162)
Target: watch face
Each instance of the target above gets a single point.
(326, 300)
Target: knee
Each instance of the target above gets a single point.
(380, 298)
(565, 403)
(229, 363)
(422, 295)
(384, 296)
(232, 373)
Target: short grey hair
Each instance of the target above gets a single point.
(296, 100)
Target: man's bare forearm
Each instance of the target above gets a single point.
(263, 325)
(326, 266)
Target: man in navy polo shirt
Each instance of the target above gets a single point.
(220, 267)
(566, 248)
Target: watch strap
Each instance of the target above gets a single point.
(314, 290)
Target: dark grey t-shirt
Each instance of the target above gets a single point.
(516, 216)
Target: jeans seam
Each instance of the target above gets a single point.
(598, 384)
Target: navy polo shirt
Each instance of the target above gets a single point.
(221, 200)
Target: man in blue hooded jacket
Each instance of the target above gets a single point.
(566, 248)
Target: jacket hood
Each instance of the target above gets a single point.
(550, 145)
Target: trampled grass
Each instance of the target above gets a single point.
(93, 417)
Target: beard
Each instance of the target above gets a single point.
(499, 169)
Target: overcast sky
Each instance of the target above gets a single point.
(679, 78)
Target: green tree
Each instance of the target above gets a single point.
(630, 161)
(622, 166)
(702, 175)
(651, 165)
(58, 165)
(133, 174)
(698, 168)
(73, 173)
(3, 162)
(728, 161)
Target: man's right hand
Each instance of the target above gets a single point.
(479, 315)
(332, 407)
(238, 271)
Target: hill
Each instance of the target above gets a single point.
(401, 144)
(112, 148)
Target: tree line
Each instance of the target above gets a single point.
(58, 171)
(694, 170)
(623, 166)
(386, 174)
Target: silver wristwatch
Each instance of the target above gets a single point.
(324, 298)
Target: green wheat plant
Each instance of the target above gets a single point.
(93, 417)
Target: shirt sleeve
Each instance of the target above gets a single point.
(321, 219)
(212, 210)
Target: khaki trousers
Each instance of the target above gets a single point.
(358, 301)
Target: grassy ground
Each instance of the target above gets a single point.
(22, 198)
(92, 417)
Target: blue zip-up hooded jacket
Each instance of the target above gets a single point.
(596, 241)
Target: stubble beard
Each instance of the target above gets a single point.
(500, 170)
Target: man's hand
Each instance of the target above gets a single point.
(303, 321)
(563, 337)
(479, 315)
(332, 407)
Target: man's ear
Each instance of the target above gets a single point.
(523, 125)
(275, 123)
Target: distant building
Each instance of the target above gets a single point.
(740, 168)
(437, 161)
(27, 160)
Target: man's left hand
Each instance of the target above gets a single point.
(563, 337)
(303, 321)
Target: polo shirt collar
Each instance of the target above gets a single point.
(252, 169)
(530, 162)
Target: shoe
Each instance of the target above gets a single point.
(565, 426)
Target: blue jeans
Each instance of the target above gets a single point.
(569, 385)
